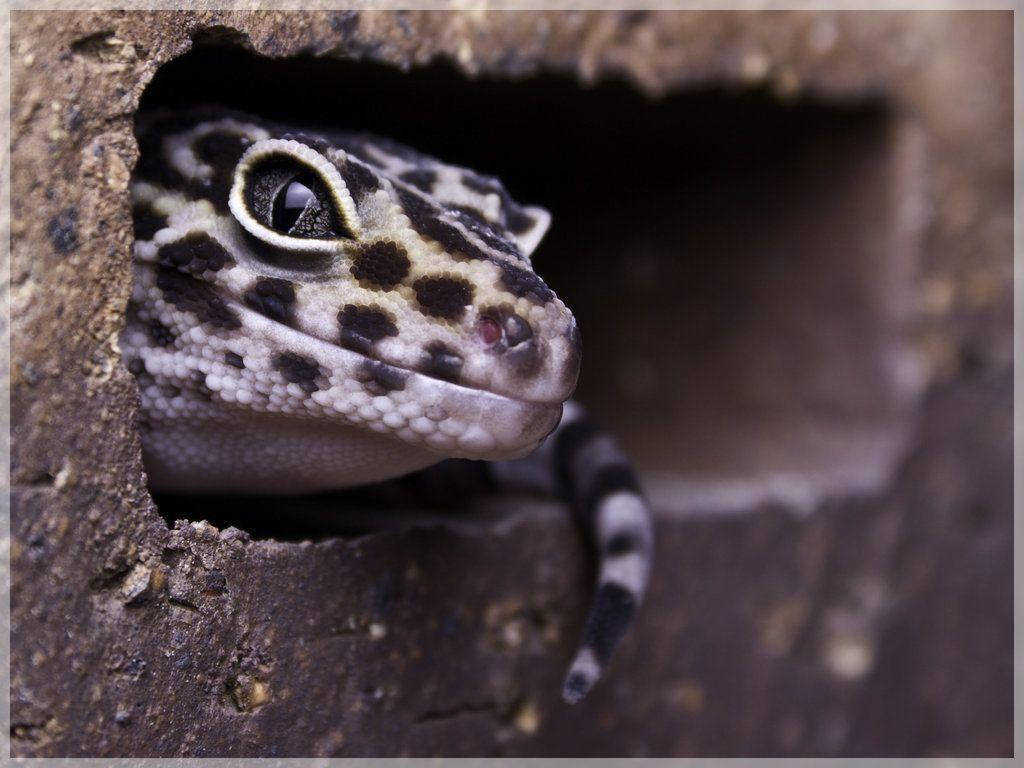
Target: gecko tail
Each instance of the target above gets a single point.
(581, 463)
(597, 479)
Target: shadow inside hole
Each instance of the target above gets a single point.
(732, 260)
(348, 513)
(443, 495)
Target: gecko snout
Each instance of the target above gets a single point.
(550, 362)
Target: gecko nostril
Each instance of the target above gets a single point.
(502, 329)
(516, 330)
(509, 335)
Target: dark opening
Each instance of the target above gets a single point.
(734, 261)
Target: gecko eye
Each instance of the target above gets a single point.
(293, 201)
(285, 191)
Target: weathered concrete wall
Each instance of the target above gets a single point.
(800, 326)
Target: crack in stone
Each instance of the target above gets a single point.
(468, 708)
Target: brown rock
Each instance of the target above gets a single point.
(787, 237)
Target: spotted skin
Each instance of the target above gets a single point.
(315, 311)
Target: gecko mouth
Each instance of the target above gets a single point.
(454, 418)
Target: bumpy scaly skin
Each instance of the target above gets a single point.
(315, 311)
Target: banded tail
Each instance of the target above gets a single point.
(584, 465)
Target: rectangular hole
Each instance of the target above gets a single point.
(742, 302)
(733, 261)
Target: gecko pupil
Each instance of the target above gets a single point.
(291, 201)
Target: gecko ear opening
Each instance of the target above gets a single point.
(529, 225)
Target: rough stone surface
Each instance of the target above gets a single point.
(800, 326)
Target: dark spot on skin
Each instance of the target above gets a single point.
(161, 335)
(482, 185)
(234, 359)
(442, 362)
(359, 179)
(195, 253)
(524, 359)
(192, 295)
(152, 165)
(468, 214)
(382, 378)
(356, 146)
(361, 327)
(272, 297)
(136, 366)
(518, 221)
(477, 223)
(62, 230)
(612, 611)
(421, 178)
(388, 147)
(198, 381)
(313, 142)
(381, 264)
(146, 223)
(421, 212)
(221, 150)
(423, 216)
(445, 297)
(301, 370)
(523, 283)
(216, 189)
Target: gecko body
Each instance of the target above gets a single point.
(313, 311)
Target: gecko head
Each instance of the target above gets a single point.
(366, 276)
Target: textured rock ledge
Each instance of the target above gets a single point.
(873, 619)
